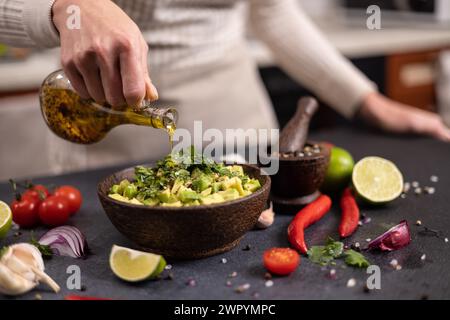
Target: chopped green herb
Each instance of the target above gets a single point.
(2, 251)
(325, 255)
(355, 259)
(45, 251)
(185, 179)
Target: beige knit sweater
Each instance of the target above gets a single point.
(187, 33)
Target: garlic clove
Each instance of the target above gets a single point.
(266, 218)
(29, 254)
(25, 261)
(19, 267)
(13, 284)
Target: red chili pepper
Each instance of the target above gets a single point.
(306, 217)
(75, 297)
(350, 214)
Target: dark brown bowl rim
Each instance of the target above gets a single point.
(263, 188)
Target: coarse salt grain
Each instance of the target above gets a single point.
(430, 190)
(415, 184)
(242, 288)
(406, 187)
(224, 260)
(269, 283)
(394, 263)
(423, 257)
(434, 178)
(351, 283)
(168, 267)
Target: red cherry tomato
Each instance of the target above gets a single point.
(41, 189)
(25, 212)
(54, 211)
(72, 195)
(281, 261)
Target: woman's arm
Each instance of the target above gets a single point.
(27, 23)
(304, 53)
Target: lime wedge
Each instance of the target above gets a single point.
(5, 219)
(133, 265)
(377, 180)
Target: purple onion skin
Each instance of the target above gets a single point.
(69, 241)
(395, 238)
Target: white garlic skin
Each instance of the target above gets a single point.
(266, 218)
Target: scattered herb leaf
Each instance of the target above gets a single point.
(45, 250)
(325, 255)
(355, 259)
(2, 251)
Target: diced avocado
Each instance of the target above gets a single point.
(196, 173)
(201, 183)
(223, 178)
(212, 198)
(135, 201)
(237, 169)
(246, 193)
(192, 203)
(151, 202)
(114, 189)
(172, 204)
(252, 185)
(187, 195)
(235, 183)
(130, 191)
(122, 185)
(119, 197)
(206, 192)
(229, 194)
(176, 185)
(216, 187)
(166, 197)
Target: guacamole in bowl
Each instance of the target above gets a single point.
(185, 179)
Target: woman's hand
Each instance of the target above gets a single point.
(106, 59)
(392, 116)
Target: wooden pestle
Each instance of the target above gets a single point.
(294, 134)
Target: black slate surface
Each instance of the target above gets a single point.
(418, 159)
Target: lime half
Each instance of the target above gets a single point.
(133, 265)
(377, 180)
(5, 219)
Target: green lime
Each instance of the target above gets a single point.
(377, 180)
(133, 265)
(339, 170)
(5, 219)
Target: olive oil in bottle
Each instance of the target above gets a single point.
(85, 121)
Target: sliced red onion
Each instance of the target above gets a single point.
(395, 238)
(65, 241)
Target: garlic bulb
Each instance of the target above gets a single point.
(22, 268)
